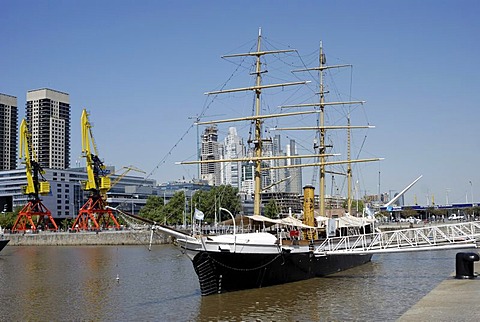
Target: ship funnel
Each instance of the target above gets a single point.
(308, 213)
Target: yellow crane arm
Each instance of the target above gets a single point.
(32, 168)
(96, 179)
(127, 170)
(24, 153)
(86, 151)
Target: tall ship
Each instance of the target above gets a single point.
(289, 249)
(238, 261)
(294, 248)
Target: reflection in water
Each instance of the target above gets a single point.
(79, 283)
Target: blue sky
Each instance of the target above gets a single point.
(141, 69)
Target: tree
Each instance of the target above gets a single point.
(271, 210)
(209, 202)
(170, 213)
(66, 223)
(153, 209)
(7, 219)
(354, 205)
(173, 211)
(227, 197)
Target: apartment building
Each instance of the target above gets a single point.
(48, 118)
(8, 132)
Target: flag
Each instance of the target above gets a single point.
(198, 214)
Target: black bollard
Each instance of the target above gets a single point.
(464, 265)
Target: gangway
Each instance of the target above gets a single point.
(448, 236)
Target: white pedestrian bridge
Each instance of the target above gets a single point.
(448, 236)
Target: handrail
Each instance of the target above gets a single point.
(450, 236)
(234, 228)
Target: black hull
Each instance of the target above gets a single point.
(3, 243)
(225, 272)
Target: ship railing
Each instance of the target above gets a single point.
(450, 236)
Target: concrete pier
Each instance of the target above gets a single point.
(106, 237)
(452, 300)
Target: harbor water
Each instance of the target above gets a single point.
(130, 283)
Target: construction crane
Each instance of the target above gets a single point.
(94, 215)
(127, 170)
(34, 213)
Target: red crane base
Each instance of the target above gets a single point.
(31, 209)
(95, 216)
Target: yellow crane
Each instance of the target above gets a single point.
(34, 210)
(94, 215)
(123, 174)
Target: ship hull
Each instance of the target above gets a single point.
(3, 243)
(220, 272)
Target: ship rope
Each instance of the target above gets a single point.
(207, 104)
(246, 269)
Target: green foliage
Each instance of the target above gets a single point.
(7, 219)
(173, 211)
(66, 223)
(354, 205)
(153, 209)
(224, 196)
(271, 210)
(206, 201)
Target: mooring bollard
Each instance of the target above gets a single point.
(464, 265)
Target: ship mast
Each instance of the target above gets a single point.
(322, 164)
(322, 61)
(257, 118)
(258, 133)
(349, 167)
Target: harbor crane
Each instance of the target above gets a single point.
(34, 214)
(124, 173)
(94, 214)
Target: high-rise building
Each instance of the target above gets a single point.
(294, 183)
(278, 175)
(233, 148)
(48, 118)
(210, 151)
(8, 132)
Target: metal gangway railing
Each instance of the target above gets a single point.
(449, 236)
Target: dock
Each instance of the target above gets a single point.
(452, 300)
(85, 238)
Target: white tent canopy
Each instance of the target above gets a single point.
(290, 221)
(350, 221)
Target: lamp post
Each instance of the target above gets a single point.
(471, 192)
(471, 196)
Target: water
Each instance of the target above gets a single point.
(80, 284)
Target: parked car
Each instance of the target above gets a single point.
(455, 217)
(414, 220)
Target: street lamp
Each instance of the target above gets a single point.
(471, 195)
(471, 192)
